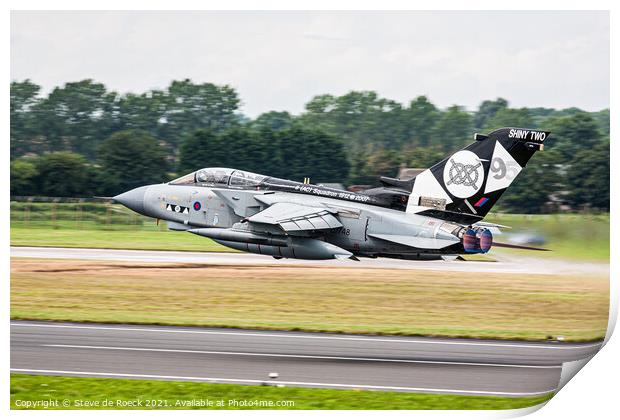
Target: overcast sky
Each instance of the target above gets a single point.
(280, 60)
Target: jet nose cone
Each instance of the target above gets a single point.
(133, 199)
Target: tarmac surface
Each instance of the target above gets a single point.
(404, 364)
(506, 263)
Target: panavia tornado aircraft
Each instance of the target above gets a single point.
(437, 214)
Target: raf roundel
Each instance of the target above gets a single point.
(197, 206)
(463, 174)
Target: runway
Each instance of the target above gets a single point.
(507, 263)
(405, 364)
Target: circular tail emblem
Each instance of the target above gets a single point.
(463, 174)
(197, 206)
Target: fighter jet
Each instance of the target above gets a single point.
(438, 214)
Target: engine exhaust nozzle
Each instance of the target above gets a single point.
(477, 241)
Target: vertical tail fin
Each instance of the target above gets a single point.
(470, 181)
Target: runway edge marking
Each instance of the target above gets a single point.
(257, 381)
(309, 336)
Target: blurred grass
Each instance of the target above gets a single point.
(38, 388)
(99, 225)
(330, 299)
(77, 215)
(114, 239)
(572, 236)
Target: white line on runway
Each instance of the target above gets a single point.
(256, 381)
(309, 336)
(302, 356)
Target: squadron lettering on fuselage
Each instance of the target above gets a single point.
(527, 134)
(343, 195)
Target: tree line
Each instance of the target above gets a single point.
(82, 139)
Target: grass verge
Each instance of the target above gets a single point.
(96, 225)
(75, 393)
(330, 299)
(571, 236)
(161, 240)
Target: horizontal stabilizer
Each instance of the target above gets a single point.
(416, 242)
(494, 228)
(495, 225)
(451, 216)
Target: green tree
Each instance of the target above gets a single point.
(509, 117)
(358, 118)
(201, 150)
(368, 165)
(420, 118)
(273, 120)
(384, 162)
(311, 153)
(587, 178)
(76, 117)
(293, 153)
(24, 176)
(258, 150)
(144, 112)
(358, 135)
(488, 109)
(239, 148)
(453, 129)
(129, 159)
(359, 172)
(190, 106)
(266, 148)
(423, 157)
(23, 98)
(319, 114)
(572, 133)
(63, 174)
(602, 119)
(532, 189)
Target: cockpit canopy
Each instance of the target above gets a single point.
(220, 177)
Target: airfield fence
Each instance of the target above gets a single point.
(75, 213)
